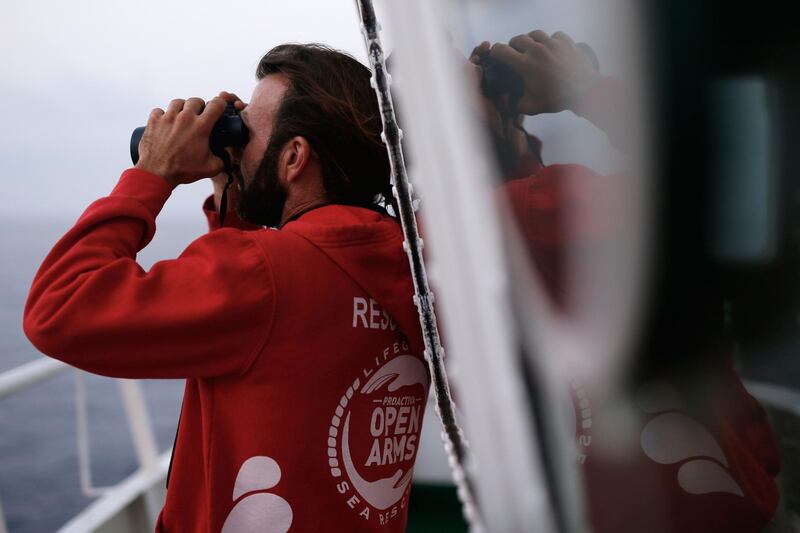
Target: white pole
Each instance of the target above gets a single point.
(144, 440)
(82, 430)
(451, 168)
(3, 528)
(452, 436)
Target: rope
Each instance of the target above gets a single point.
(452, 436)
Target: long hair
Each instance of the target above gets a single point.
(331, 104)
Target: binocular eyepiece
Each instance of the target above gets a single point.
(229, 130)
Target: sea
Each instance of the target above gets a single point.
(39, 483)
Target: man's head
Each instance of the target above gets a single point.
(314, 135)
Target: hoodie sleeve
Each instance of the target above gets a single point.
(206, 313)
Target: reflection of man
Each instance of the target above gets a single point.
(704, 457)
(558, 75)
(280, 333)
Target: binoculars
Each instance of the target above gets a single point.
(499, 79)
(228, 131)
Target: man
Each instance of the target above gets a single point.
(301, 349)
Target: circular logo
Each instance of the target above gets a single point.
(374, 434)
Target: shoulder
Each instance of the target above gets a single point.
(230, 249)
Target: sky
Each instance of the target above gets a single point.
(79, 76)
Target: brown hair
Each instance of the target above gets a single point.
(331, 104)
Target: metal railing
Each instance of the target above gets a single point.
(152, 467)
(29, 374)
(779, 396)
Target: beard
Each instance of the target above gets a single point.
(263, 199)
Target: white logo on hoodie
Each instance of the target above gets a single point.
(374, 434)
(258, 511)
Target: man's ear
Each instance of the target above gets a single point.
(295, 157)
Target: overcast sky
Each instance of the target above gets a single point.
(79, 76)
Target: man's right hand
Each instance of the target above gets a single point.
(175, 143)
(557, 73)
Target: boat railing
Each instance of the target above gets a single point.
(133, 504)
(114, 502)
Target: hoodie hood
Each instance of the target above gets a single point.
(368, 247)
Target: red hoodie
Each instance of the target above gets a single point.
(305, 383)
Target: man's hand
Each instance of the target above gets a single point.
(557, 74)
(231, 97)
(175, 143)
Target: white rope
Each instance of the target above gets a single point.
(452, 436)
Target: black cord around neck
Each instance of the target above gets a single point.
(223, 202)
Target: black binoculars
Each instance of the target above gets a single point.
(228, 131)
(499, 79)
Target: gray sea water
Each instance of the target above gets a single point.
(39, 484)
